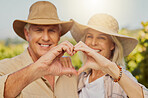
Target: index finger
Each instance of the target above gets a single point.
(69, 45)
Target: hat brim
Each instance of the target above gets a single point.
(18, 25)
(128, 43)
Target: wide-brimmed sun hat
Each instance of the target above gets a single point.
(41, 13)
(106, 24)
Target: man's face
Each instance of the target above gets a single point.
(42, 38)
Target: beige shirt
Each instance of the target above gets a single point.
(65, 87)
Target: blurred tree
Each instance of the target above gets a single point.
(137, 61)
(10, 51)
(143, 64)
(16, 40)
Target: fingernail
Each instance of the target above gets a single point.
(69, 75)
(71, 54)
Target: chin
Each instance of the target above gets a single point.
(41, 53)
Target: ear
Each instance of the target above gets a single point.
(26, 33)
(59, 35)
(59, 38)
(112, 46)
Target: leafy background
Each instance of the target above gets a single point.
(137, 61)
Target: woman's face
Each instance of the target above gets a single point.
(100, 42)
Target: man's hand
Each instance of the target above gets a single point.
(49, 64)
(66, 62)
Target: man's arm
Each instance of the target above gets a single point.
(17, 81)
(48, 64)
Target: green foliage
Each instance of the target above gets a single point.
(10, 51)
(137, 61)
(143, 64)
(14, 41)
(75, 60)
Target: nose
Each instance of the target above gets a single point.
(94, 42)
(45, 36)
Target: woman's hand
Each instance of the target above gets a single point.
(94, 59)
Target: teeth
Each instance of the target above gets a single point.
(98, 50)
(44, 45)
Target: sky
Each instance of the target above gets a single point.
(129, 13)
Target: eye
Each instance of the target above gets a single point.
(89, 36)
(101, 38)
(51, 30)
(39, 29)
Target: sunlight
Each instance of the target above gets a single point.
(94, 4)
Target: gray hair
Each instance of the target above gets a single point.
(27, 26)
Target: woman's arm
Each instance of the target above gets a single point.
(99, 62)
(131, 88)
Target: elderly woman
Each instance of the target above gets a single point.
(103, 74)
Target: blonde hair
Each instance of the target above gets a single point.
(117, 53)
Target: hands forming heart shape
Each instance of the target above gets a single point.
(50, 63)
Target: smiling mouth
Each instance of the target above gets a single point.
(44, 45)
(98, 51)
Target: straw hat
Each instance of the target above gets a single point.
(41, 13)
(106, 24)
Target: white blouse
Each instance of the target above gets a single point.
(94, 89)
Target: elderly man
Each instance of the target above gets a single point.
(38, 72)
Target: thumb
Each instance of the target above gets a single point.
(82, 69)
(69, 71)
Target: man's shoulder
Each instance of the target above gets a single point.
(10, 64)
(10, 60)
